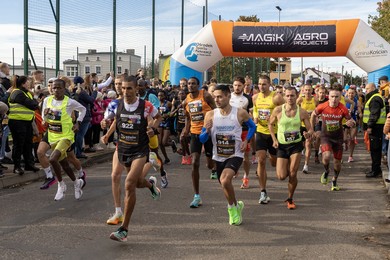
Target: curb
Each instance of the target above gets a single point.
(13, 180)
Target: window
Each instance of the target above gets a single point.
(86, 58)
(98, 58)
(119, 70)
(119, 58)
(282, 68)
(71, 71)
(98, 70)
(87, 70)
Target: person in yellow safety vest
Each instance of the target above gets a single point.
(374, 117)
(56, 112)
(21, 114)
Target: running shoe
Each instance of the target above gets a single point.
(324, 178)
(153, 159)
(164, 180)
(245, 183)
(48, 182)
(115, 219)
(174, 146)
(335, 187)
(213, 175)
(189, 160)
(183, 160)
(232, 214)
(196, 202)
(60, 192)
(78, 186)
(167, 161)
(350, 159)
(120, 235)
(305, 169)
(264, 199)
(240, 207)
(290, 204)
(156, 193)
(83, 178)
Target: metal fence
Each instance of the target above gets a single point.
(98, 25)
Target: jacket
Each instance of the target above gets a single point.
(375, 107)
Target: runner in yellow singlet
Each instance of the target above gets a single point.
(263, 104)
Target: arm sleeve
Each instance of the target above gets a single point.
(74, 105)
(251, 129)
(204, 136)
(105, 84)
(111, 110)
(44, 106)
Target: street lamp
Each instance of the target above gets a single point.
(279, 9)
(351, 76)
(342, 73)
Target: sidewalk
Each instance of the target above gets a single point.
(11, 179)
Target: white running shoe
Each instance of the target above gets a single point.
(60, 192)
(264, 199)
(305, 169)
(98, 147)
(154, 161)
(78, 192)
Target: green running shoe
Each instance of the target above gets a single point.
(232, 215)
(323, 179)
(119, 235)
(213, 175)
(240, 207)
(335, 187)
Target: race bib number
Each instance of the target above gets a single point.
(226, 145)
(54, 115)
(130, 138)
(195, 107)
(264, 114)
(292, 136)
(332, 125)
(55, 128)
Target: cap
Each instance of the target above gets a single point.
(78, 80)
(51, 80)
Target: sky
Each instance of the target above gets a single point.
(134, 28)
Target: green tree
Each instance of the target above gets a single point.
(381, 22)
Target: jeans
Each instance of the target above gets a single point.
(385, 144)
(83, 128)
(4, 141)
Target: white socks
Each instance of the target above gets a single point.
(118, 211)
(48, 172)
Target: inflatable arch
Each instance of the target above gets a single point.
(353, 39)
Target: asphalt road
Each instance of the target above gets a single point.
(350, 224)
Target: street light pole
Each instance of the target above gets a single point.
(279, 9)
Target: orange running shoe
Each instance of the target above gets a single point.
(290, 204)
(183, 160)
(189, 160)
(245, 183)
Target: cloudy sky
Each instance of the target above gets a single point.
(86, 24)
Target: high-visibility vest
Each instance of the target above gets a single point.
(18, 111)
(60, 122)
(366, 113)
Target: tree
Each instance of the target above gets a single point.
(381, 22)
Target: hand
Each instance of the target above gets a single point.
(208, 125)
(183, 135)
(244, 145)
(104, 139)
(112, 74)
(369, 131)
(75, 127)
(103, 124)
(275, 144)
(307, 135)
(351, 123)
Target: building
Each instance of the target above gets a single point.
(316, 76)
(285, 73)
(101, 63)
(19, 70)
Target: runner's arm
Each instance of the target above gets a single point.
(272, 120)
